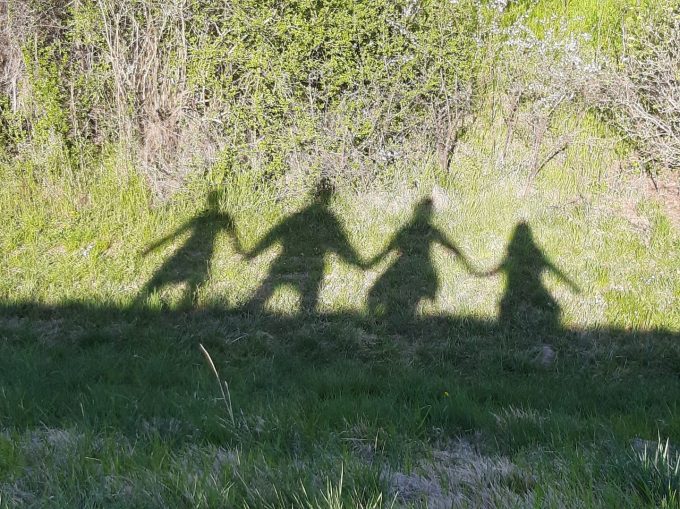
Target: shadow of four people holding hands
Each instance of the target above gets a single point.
(306, 237)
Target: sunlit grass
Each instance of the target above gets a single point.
(104, 404)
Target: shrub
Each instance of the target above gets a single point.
(265, 87)
(642, 92)
(540, 81)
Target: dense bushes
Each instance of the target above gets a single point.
(357, 89)
(643, 91)
(264, 86)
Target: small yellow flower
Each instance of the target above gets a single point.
(446, 394)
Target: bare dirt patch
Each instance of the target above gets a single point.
(461, 476)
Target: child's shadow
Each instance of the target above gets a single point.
(526, 302)
(189, 265)
(412, 277)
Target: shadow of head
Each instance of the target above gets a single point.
(213, 200)
(423, 210)
(324, 191)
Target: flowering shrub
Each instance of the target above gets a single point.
(642, 93)
(542, 78)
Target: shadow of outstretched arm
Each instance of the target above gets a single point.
(347, 252)
(563, 277)
(270, 238)
(441, 238)
(227, 223)
(167, 238)
(367, 264)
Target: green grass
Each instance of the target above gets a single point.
(107, 400)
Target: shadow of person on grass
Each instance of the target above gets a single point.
(412, 276)
(526, 302)
(305, 237)
(190, 264)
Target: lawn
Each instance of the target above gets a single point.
(468, 341)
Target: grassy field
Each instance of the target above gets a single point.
(501, 333)
(458, 340)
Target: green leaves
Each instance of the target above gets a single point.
(330, 85)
